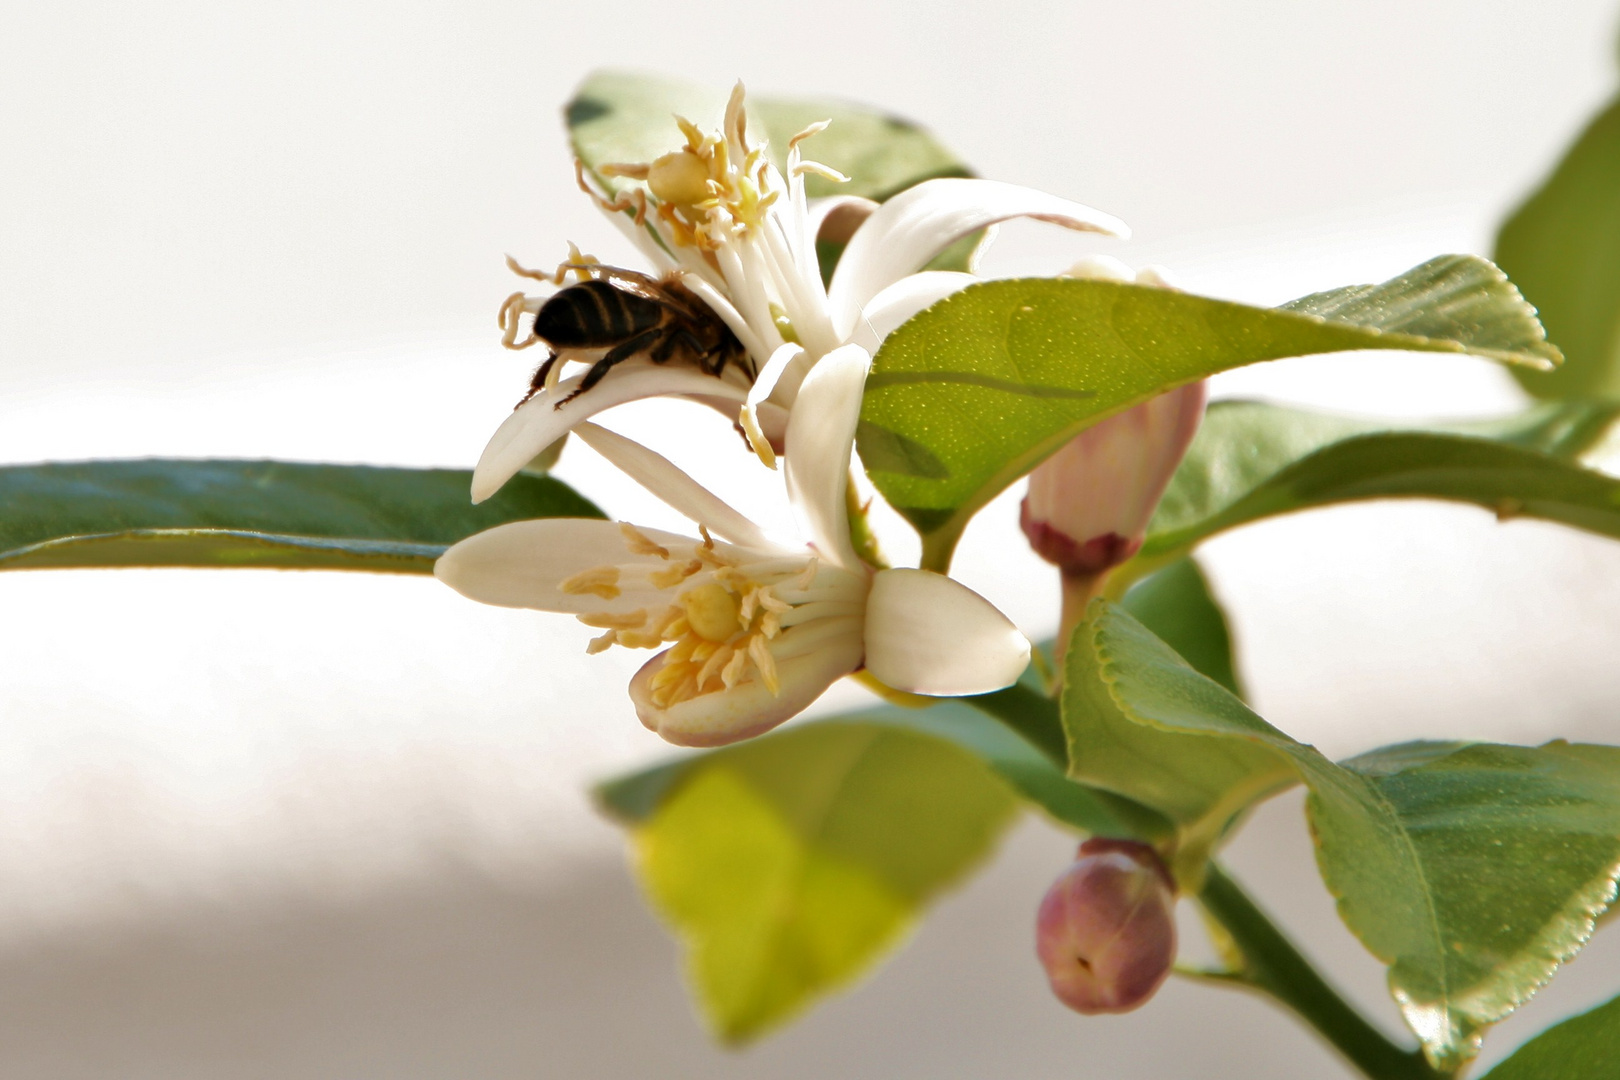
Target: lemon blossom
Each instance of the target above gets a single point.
(751, 630)
(742, 236)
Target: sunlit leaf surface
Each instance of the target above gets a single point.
(975, 391)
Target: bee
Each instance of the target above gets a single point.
(628, 314)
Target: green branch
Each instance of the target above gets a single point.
(1272, 965)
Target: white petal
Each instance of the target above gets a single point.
(521, 563)
(900, 301)
(664, 479)
(928, 634)
(839, 215)
(748, 417)
(820, 436)
(917, 224)
(749, 708)
(537, 423)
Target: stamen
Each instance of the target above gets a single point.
(602, 620)
(760, 654)
(601, 644)
(816, 168)
(639, 543)
(671, 576)
(603, 581)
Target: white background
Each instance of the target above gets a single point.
(301, 825)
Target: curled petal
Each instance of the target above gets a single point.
(920, 222)
(522, 564)
(539, 422)
(664, 479)
(835, 219)
(928, 634)
(820, 436)
(749, 708)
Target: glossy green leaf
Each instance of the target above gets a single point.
(788, 864)
(1584, 1047)
(1252, 461)
(1176, 606)
(625, 117)
(1562, 247)
(1472, 870)
(1145, 725)
(975, 391)
(267, 514)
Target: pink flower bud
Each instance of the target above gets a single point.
(1088, 504)
(1106, 930)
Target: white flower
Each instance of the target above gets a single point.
(743, 238)
(752, 631)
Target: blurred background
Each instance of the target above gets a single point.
(316, 825)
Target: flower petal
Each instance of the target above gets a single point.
(820, 436)
(900, 301)
(915, 225)
(664, 479)
(835, 218)
(522, 563)
(540, 421)
(928, 634)
(749, 708)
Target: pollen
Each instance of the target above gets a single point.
(600, 581)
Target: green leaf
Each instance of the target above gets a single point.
(1472, 870)
(975, 391)
(1584, 1047)
(789, 863)
(1145, 725)
(1176, 606)
(1252, 461)
(253, 514)
(619, 117)
(1563, 248)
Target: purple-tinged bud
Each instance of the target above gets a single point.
(1089, 504)
(1106, 930)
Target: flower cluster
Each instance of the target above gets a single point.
(749, 630)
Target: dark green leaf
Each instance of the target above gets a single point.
(620, 117)
(1252, 460)
(788, 864)
(1472, 870)
(988, 382)
(1584, 1047)
(1176, 605)
(1563, 249)
(253, 514)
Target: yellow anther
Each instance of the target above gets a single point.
(680, 178)
(602, 620)
(764, 663)
(712, 612)
(602, 581)
(601, 644)
(639, 543)
(671, 576)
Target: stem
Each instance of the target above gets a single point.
(1032, 715)
(1272, 964)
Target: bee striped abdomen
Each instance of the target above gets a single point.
(594, 313)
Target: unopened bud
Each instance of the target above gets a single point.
(1106, 930)
(1089, 504)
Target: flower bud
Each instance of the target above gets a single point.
(1089, 504)
(1106, 930)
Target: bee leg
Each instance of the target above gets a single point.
(675, 338)
(621, 352)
